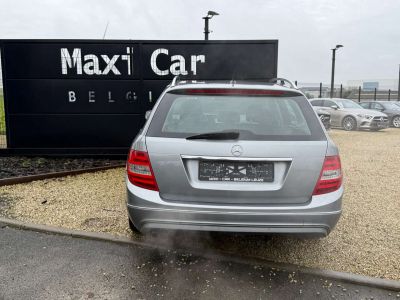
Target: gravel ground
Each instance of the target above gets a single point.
(17, 166)
(366, 240)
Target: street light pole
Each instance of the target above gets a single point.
(206, 29)
(333, 68)
(207, 18)
(333, 71)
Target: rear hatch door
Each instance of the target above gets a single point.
(276, 159)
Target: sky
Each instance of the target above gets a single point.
(306, 29)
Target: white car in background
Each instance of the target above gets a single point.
(349, 115)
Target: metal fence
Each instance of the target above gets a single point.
(354, 93)
(3, 140)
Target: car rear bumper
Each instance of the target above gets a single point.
(148, 211)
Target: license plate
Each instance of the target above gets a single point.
(382, 125)
(239, 171)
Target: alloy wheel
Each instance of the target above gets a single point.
(396, 121)
(349, 123)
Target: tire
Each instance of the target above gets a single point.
(396, 121)
(132, 227)
(349, 123)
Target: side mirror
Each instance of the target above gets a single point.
(147, 114)
(335, 107)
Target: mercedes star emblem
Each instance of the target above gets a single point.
(237, 150)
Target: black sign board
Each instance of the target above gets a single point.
(90, 96)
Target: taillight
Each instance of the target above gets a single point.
(331, 177)
(139, 170)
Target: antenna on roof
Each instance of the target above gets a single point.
(105, 30)
(233, 81)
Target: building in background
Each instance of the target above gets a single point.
(373, 89)
(369, 84)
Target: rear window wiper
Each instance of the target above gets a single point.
(222, 135)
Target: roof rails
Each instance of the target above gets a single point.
(175, 81)
(282, 81)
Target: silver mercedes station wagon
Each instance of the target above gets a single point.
(235, 157)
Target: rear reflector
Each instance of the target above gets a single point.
(139, 170)
(331, 177)
(248, 92)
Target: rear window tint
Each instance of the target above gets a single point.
(255, 117)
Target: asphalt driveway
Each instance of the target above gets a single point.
(45, 266)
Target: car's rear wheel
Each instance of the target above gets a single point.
(349, 123)
(396, 121)
(132, 227)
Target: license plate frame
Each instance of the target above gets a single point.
(236, 171)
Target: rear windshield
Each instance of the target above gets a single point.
(255, 117)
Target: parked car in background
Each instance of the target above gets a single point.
(349, 115)
(391, 109)
(234, 157)
(324, 116)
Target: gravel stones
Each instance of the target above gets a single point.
(366, 240)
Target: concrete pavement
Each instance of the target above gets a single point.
(45, 266)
